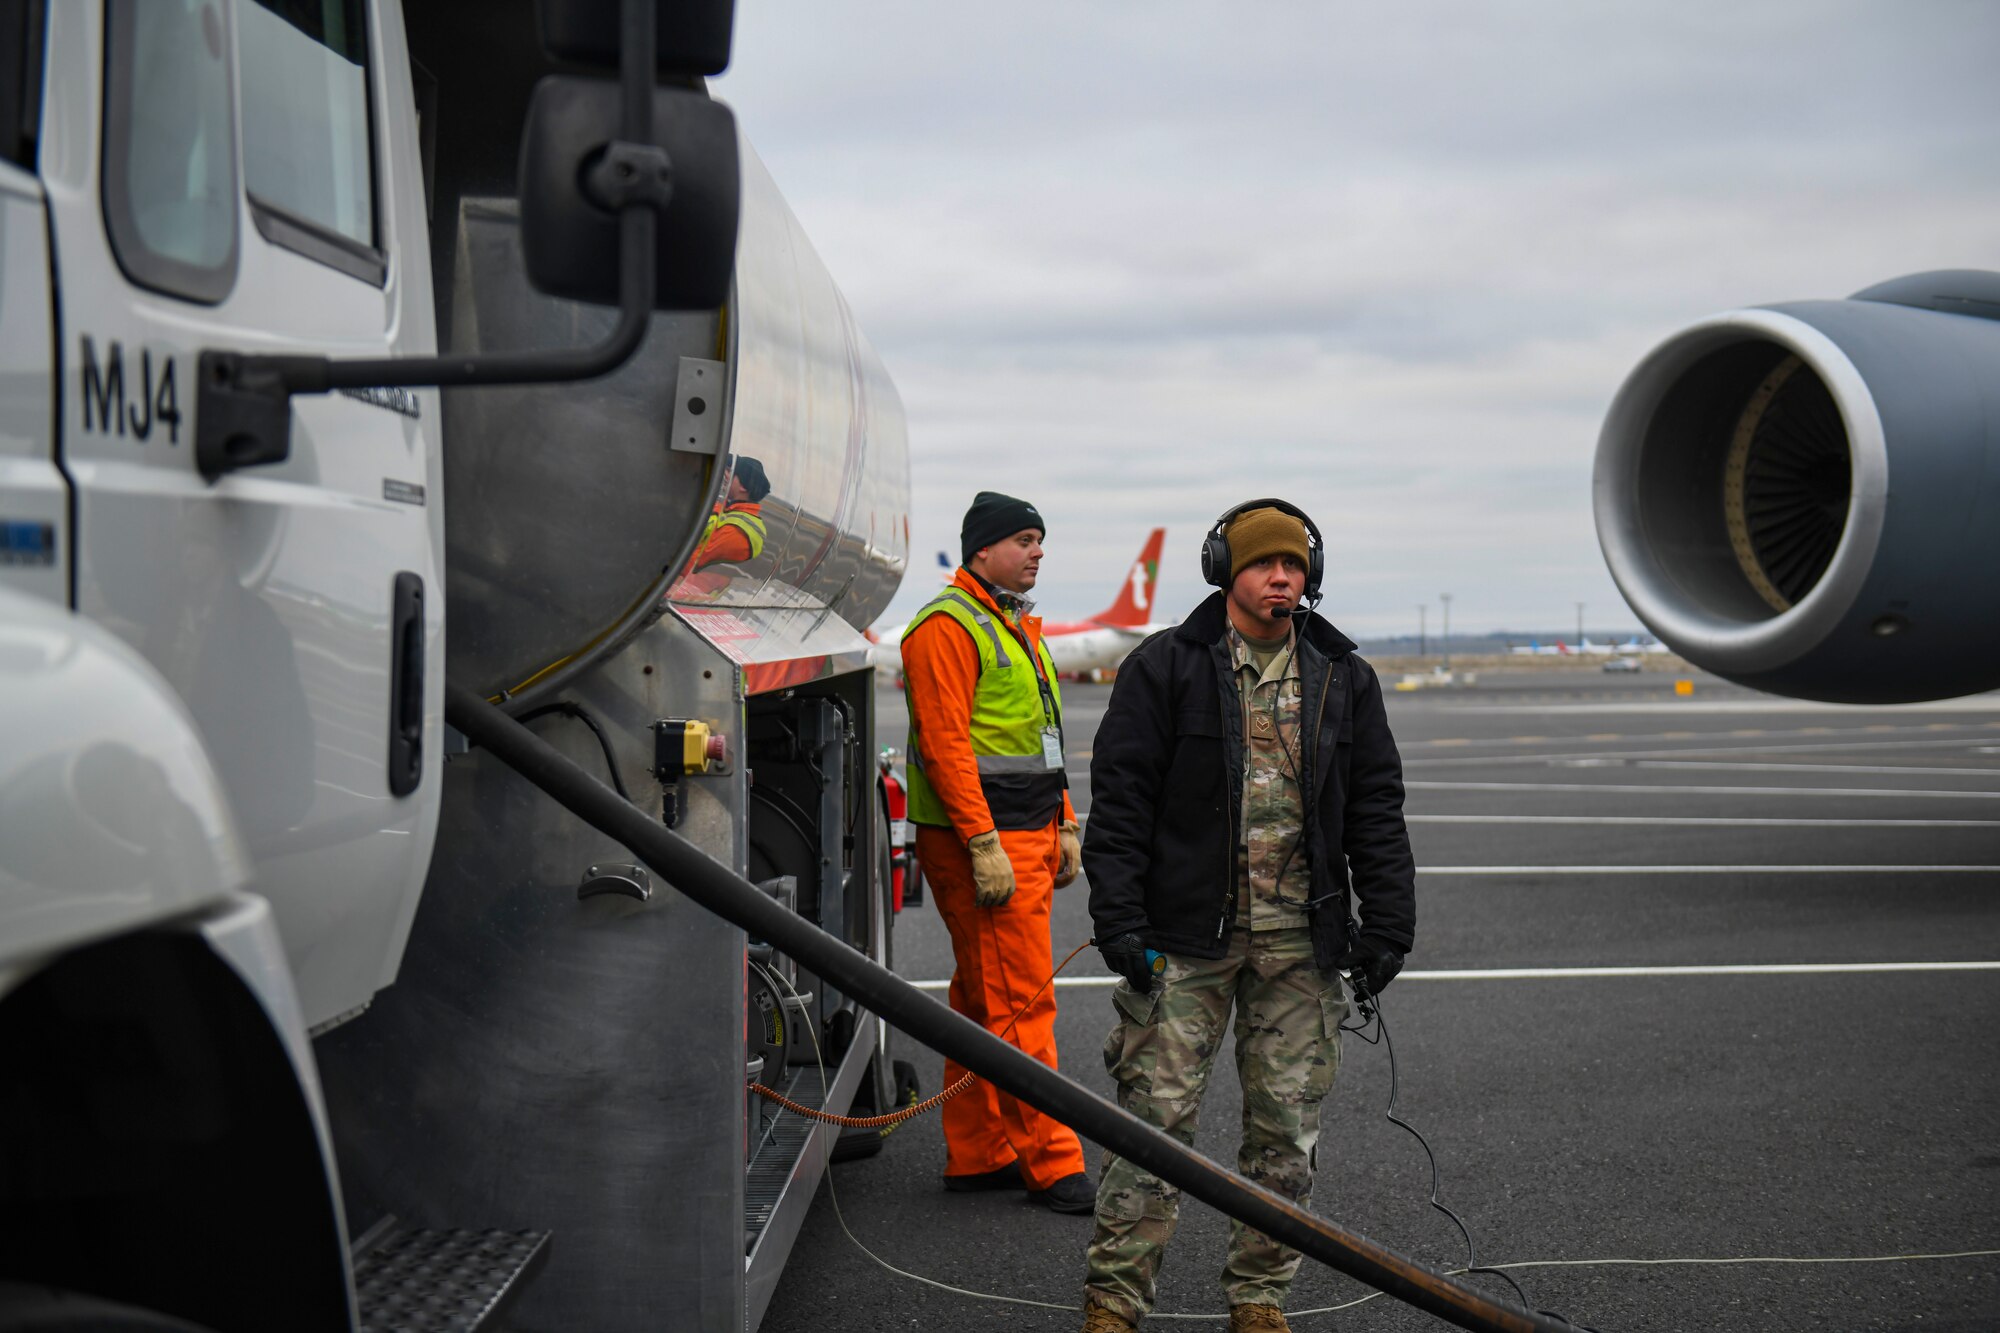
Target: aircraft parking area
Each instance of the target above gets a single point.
(1704, 978)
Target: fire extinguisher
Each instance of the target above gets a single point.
(906, 874)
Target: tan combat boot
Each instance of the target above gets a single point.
(1247, 1318)
(1098, 1319)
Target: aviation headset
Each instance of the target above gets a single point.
(1215, 547)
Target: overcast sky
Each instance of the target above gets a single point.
(1135, 262)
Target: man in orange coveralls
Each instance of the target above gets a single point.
(997, 835)
(735, 531)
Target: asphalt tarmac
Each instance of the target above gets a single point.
(1708, 986)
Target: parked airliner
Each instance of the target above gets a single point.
(1098, 643)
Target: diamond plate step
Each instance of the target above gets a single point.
(414, 1281)
(770, 1170)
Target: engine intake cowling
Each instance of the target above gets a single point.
(1805, 498)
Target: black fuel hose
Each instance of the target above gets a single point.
(730, 896)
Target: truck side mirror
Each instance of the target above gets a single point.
(691, 37)
(569, 187)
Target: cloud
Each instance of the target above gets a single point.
(1138, 261)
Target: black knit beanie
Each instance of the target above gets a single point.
(751, 473)
(995, 517)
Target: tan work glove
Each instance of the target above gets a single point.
(1071, 839)
(992, 872)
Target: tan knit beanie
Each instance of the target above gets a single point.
(1257, 533)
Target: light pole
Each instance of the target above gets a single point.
(1579, 625)
(1423, 643)
(1444, 635)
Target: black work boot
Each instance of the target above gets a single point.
(1071, 1194)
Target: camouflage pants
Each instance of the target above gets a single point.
(1287, 1048)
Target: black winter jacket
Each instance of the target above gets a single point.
(1166, 784)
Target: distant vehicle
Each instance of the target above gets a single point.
(1623, 664)
(1632, 646)
(1096, 644)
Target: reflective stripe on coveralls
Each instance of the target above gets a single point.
(750, 524)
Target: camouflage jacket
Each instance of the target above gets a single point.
(1273, 881)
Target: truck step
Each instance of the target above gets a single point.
(777, 1155)
(417, 1281)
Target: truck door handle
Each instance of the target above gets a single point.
(406, 685)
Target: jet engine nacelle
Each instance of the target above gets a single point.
(1805, 498)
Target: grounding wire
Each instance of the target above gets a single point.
(1371, 1009)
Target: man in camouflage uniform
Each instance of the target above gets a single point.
(1244, 773)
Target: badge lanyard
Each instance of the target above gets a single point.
(1052, 737)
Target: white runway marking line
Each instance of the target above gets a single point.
(1609, 973)
(1638, 758)
(1709, 870)
(1979, 703)
(1703, 821)
(1749, 766)
(1737, 736)
(1669, 789)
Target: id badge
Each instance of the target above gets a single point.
(1051, 748)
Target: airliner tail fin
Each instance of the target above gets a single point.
(1134, 605)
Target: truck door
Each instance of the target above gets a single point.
(34, 503)
(242, 174)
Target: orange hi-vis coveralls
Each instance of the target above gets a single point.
(1002, 954)
(735, 533)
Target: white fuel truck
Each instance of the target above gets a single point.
(312, 1015)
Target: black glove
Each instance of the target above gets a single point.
(1126, 955)
(1371, 964)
